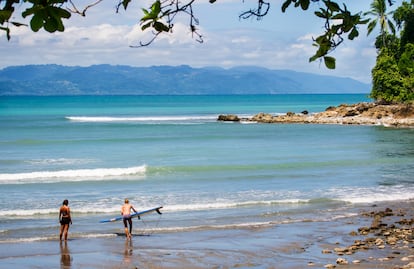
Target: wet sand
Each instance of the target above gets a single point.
(299, 245)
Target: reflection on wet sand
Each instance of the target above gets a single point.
(65, 258)
(128, 252)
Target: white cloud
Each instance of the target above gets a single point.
(101, 38)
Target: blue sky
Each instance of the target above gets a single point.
(278, 41)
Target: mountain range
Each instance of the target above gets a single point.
(167, 80)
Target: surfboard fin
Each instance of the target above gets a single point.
(158, 210)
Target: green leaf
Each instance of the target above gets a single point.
(58, 13)
(5, 15)
(29, 11)
(145, 26)
(354, 33)
(332, 6)
(156, 7)
(321, 14)
(148, 15)
(125, 3)
(51, 25)
(329, 62)
(36, 22)
(304, 4)
(285, 5)
(60, 27)
(63, 13)
(371, 26)
(161, 27)
(313, 58)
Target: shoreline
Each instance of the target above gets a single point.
(400, 115)
(378, 236)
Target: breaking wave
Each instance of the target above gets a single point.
(72, 175)
(152, 119)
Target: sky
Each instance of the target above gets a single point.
(278, 41)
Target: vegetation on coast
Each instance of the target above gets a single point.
(393, 74)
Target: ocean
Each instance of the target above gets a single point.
(171, 151)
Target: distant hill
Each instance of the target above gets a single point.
(167, 80)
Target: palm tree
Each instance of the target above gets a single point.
(379, 12)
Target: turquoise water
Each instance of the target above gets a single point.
(170, 151)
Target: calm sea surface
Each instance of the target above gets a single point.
(170, 151)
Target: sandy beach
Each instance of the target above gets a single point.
(306, 244)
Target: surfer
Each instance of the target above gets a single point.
(65, 220)
(126, 217)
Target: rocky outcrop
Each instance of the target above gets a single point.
(399, 115)
(229, 117)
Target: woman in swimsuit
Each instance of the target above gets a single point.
(64, 219)
(126, 217)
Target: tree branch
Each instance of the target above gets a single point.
(83, 12)
(261, 11)
(160, 17)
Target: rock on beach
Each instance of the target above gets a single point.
(391, 231)
(397, 115)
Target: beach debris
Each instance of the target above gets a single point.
(353, 233)
(330, 266)
(409, 266)
(379, 241)
(341, 261)
(341, 251)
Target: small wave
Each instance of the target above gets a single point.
(21, 213)
(224, 205)
(243, 225)
(95, 235)
(71, 175)
(368, 195)
(29, 213)
(209, 227)
(27, 239)
(141, 119)
(73, 236)
(60, 161)
(380, 198)
(113, 209)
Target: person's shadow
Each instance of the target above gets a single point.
(65, 258)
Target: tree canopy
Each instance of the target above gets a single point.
(393, 74)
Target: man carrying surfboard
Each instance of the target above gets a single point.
(126, 217)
